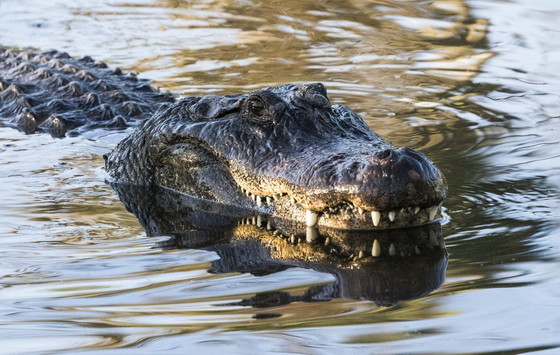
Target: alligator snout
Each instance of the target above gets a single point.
(352, 189)
(400, 178)
(387, 180)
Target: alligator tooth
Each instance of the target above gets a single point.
(392, 250)
(327, 241)
(432, 211)
(376, 249)
(361, 254)
(403, 210)
(416, 210)
(360, 210)
(268, 226)
(259, 201)
(311, 234)
(268, 200)
(254, 221)
(276, 196)
(311, 218)
(392, 216)
(375, 217)
(293, 239)
(259, 221)
(292, 199)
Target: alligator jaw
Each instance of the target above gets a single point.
(345, 215)
(346, 206)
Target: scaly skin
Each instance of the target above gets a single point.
(285, 151)
(52, 92)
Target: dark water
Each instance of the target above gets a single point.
(475, 85)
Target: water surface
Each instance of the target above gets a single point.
(473, 84)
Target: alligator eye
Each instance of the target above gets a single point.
(256, 107)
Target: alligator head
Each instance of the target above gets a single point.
(286, 152)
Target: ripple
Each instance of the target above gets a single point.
(473, 85)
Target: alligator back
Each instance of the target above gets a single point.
(55, 93)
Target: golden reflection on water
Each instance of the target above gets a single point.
(382, 58)
(369, 43)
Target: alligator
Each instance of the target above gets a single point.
(282, 151)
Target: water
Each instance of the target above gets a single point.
(473, 84)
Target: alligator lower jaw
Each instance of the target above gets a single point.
(345, 245)
(346, 215)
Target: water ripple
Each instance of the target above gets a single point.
(472, 84)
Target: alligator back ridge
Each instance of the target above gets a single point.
(55, 93)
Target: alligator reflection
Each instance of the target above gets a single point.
(385, 267)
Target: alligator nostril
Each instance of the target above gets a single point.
(414, 175)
